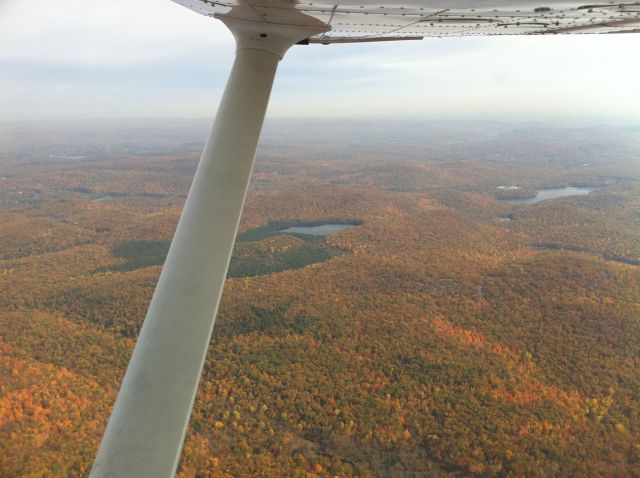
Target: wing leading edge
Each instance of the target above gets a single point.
(366, 20)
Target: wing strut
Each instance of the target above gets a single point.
(148, 424)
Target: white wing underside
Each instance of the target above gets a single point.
(370, 21)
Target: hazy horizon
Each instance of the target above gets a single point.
(563, 121)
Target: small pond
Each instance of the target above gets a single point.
(320, 230)
(546, 194)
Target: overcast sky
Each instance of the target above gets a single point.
(154, 58)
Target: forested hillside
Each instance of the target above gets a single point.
(447, 333)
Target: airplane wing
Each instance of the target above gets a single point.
(363, 20)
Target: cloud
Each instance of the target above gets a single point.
(81, 58)
(519, 76)
(104, 34)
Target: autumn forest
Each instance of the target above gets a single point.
(449, 332)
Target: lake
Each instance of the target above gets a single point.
(320, 230)
(546, 194)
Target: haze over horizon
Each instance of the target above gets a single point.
(117, 60)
